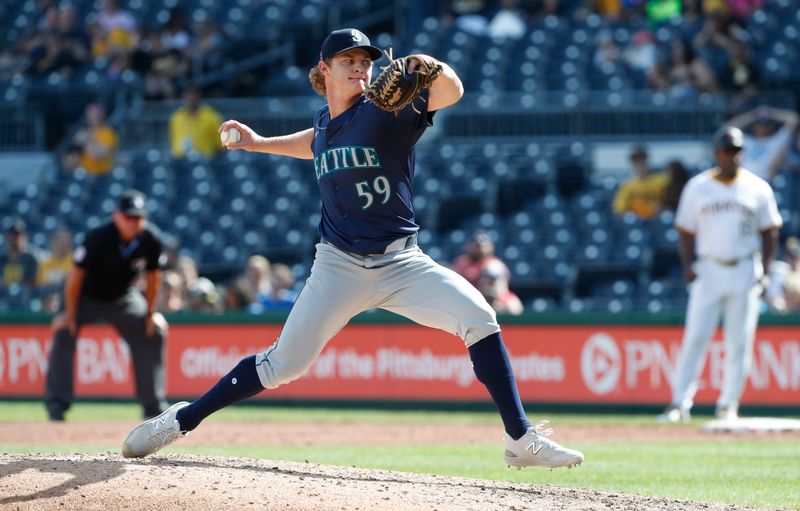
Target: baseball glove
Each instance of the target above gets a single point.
(395, 88)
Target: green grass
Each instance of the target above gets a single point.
(15, 411)
(760, 472)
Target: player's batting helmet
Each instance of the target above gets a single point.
(729, 138)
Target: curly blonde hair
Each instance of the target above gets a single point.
(317, 80)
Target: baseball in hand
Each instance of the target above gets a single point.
(230, 136)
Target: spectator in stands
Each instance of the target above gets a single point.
(742, 9)
(175, 34)
(163, 57)
(641, 56)
(235, 296)
(607, 51)
(611, 10)
(94, 146)
(196, 293)
(72, 34)
(765, 145)
(508, 22)
(255, 281)
(19, 262)
(51, 57)
(493, 285)
(783, 288)
(717, 40)
(691, 11)
(739, 76)
(642, 193)
(470, 16)
(193, 127)
(48, 15)
(170, 299)
(187, 269)
(478, 252)
(684, 74)
(114, 37)
(155, 63)
(659, 11)
(678, 175)
(117, 28)
(204, 297)
(281, 296)
(54, 269)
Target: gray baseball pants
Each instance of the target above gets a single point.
(342, 285)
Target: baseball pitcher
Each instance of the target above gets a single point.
(362, 146)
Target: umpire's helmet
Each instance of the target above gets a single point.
(729, 138)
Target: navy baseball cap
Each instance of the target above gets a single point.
(132, 203)
(346, 39)
(729, 138)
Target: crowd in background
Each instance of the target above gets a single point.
(167, 52)
(262, 286)
(719, 57)
(38, 275)
(112, 40)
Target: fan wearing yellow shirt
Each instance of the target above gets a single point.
(193, 127)
(94, 146)
(641, 194)
(53, 270)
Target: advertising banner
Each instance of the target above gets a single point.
(558, 364)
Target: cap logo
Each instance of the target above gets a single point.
(356, 35)
(137, 202)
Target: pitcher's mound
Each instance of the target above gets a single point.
(181, 482)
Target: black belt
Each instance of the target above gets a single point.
(395, 246)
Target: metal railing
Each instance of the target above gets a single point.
(21, 129)
(594, 114)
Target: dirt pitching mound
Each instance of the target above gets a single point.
(179, 482)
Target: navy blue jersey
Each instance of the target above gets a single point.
(364, 162)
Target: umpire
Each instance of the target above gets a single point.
(100, 286)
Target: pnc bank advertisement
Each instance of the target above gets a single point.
(611, 364)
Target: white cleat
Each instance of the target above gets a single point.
(673, 415)
(534, 449)
(154, 434)
(728, 413)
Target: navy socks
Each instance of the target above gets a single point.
(239, 384)
(489, 360)
(493, 368)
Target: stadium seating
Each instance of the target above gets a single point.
(550, 220)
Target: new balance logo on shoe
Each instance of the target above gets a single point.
(534, 449)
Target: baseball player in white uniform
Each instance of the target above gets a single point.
(728, 222)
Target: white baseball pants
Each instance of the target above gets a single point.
(733, 292)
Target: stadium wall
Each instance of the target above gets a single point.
(564, 359)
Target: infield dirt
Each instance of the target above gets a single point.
(171, 482)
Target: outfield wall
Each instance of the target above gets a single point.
(562, 358)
